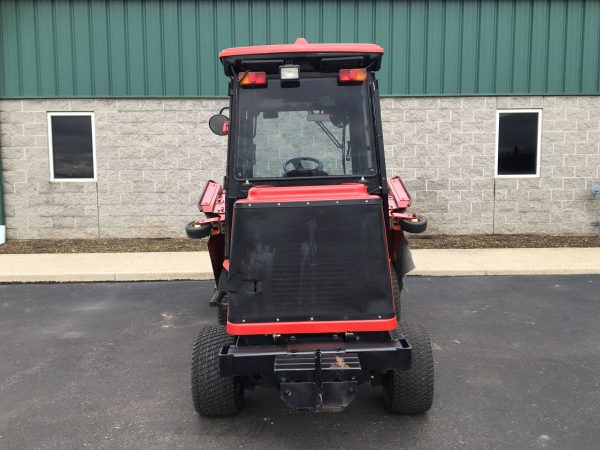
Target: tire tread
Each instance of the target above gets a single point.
(411, 391)
(211, 394)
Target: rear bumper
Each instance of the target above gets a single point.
(260, 360)
(318, 326)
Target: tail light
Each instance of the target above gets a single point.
(352, 75)
(253, 79)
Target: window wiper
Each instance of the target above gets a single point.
(327, 132)
(333, 139)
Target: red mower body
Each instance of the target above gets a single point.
(306, 234)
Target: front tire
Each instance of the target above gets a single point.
(213, 395)
(195, 230)
(416, 225)
(411, 391)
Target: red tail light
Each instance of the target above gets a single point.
(352, 75)
(253, 78)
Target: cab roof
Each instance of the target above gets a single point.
(310, 57)
(300, 46)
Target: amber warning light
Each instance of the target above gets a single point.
(253, 79)
(352, 75)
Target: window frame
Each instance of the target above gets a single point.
(51, 147)
(376, 149)
(538, 143)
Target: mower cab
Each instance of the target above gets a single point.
(306, 239)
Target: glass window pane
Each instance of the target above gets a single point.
(315, 128)
(72, 147)
(517, 143)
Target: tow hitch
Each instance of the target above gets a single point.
(333, 380)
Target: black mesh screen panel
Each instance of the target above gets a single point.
(293, 261)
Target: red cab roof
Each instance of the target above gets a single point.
(301, 46)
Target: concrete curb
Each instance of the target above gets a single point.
(196, 265)
(507, 261)
(105, 267)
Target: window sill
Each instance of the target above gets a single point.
(73, 180)
(518, 176)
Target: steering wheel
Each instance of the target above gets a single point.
(297, 163)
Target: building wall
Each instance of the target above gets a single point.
(136, 48)
(444, 148)
(154, 156)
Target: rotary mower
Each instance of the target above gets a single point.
(306, 239)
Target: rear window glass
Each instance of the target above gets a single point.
(315, 129)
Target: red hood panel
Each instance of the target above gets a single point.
(269, 194)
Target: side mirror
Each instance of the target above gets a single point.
(219, 124)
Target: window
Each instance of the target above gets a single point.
(72, 147)
(518, 143)
(317, 128)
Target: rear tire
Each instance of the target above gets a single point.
(211, 394)
(222, 307)
(396, 289)
(222, 314)
(411, 391)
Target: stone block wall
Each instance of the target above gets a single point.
(444, 149)
(154, 156)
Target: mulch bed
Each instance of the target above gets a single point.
(103, 245)
(190, 245)
(502, 241)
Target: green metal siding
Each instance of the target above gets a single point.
(167, 48)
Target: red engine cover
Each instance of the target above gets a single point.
(269, 194)
(256, 227)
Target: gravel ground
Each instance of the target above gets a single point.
(190, 245)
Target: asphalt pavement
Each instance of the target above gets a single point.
(107, 365)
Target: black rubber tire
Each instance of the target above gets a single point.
(222, 308)
(414, 226)
(397, 289)
(222, 314)
(195, 231)
(212, 395)
(411, 391)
